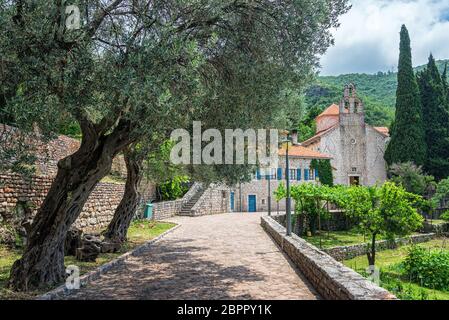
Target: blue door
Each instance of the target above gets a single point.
(232, 201)
(252, 203)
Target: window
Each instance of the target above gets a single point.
(354, 169)
(292, 174)
(263, 201)
(306, 174)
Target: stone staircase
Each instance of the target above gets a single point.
(186, 209)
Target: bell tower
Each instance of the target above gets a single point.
(353, 136)
(351, 103)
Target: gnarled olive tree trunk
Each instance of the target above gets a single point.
(42, 263)
(118, 227)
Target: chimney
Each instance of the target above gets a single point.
(294, 135)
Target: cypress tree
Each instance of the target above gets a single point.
(446, 85)
(436, 120)
(407, 142)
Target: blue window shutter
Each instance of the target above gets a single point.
(306, 174)
(316, 174)
(298, 174)
(258, 174)
(279, 173)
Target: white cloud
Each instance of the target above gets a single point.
(368, 38)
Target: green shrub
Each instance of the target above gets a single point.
(428, 268)
(403, 291)
(445, 216)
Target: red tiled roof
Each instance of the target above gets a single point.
(383, 130)
(303, 152)
(332, 110)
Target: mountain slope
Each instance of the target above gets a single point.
(377, 91)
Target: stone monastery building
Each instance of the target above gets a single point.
(355, 149)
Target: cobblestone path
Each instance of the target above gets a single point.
(226, 256)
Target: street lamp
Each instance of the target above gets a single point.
(288, 210)
(268, 178)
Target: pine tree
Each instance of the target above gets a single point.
(436, 120)
(407, 140)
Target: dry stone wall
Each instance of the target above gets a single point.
(216, 199)
(348, 252)
(17, 195)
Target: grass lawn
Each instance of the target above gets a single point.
(138, 233)
(337, 238)
(391, 272)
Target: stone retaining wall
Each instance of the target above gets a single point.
(216, 199)
(167, 209)
(330, 278)
(348, 252)
(17, 196)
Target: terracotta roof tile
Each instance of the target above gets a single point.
(303, 152)
(383, 130)
(332, 110)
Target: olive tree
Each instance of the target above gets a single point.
(135, 68)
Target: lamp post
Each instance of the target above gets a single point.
(287, 178)
(269, 192)
(288, 200)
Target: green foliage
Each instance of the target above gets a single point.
(436, 120)
(402, 290)
(412, 178)
(442, 192)
(310, 203)
(428, 268)
(328, 90)
(325, 172)
(387, 210)
(407, 142)
(281, 192)
(174, 188)
(377, 91)
(445, 216)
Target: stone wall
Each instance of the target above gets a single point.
(215, 199)
(167, 209)
(331, 279)
(18, 195)
(348, 252)
(441, 228)
(48, 153)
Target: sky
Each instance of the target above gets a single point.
(367, 40)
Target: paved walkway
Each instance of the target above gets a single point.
(226, 256)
